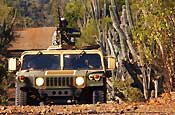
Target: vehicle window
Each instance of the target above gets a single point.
(79, 61)
(41, 62)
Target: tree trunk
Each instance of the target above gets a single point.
(156, 87)
(122, 35)
(104, 9)
(111, 45)
(145, 87)
(129, 14)
(114, 4)
(128, 34)
(96, 9)
(143, 70)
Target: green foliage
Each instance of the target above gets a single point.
(153, 25)
(54, 13)
(88, 35)
(74, 10)
(3, 100)
(4, 11)
(6, 24)
(6, 36)
(120, 3)
(105, 21)
(132, 94)
(7, 80)
(3, 77)
(2, 72)
(154, 34)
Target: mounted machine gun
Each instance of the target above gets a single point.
(64, 37)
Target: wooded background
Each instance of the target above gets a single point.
(140, 34)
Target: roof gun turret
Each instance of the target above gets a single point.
(64, 35)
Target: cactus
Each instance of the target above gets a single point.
(119, 30)
(127, 30)
(129, 14)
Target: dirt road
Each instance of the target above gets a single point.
(110, 108)
(164, 105)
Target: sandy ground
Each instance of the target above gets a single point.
(163, 105)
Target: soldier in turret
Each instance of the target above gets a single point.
(61, 35)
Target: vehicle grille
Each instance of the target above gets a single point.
(59, 81)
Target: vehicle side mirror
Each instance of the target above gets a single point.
(111, 62)
(12, 63)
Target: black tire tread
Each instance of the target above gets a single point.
(20, 97)
(98, 96)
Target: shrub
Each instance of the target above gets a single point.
(130, 93)
(6, 81)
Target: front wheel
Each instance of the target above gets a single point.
(98, 96)
(20, 97)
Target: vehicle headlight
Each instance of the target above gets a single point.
(39, 81)
(79, 81)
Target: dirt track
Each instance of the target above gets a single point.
(110, 108)
(164, 105)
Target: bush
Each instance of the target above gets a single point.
(6, 81)
(3, 72)
(3, 100)
(130, 93)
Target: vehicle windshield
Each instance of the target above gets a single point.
(41, 62)
(82, 61)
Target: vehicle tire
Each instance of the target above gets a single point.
(20, 97)
(98, 96)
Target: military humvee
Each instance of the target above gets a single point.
(56, 76)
